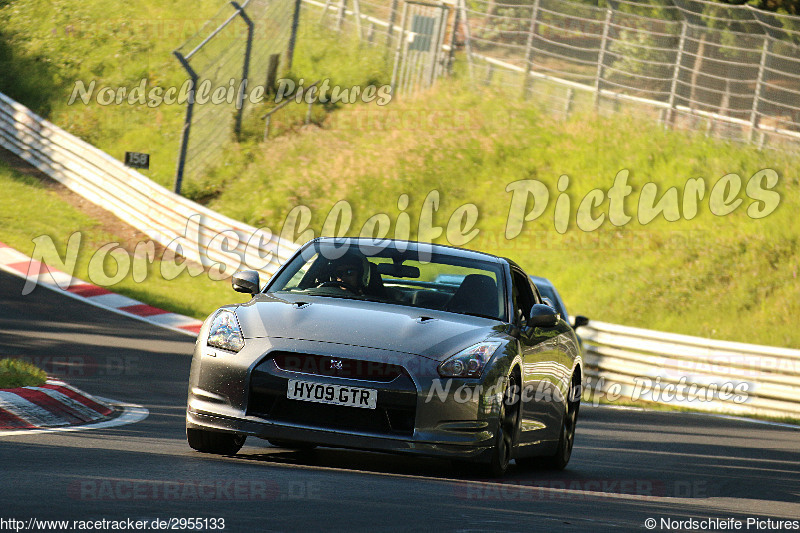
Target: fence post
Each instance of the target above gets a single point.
(438, 55)
(266, 127)
(392, 20)
(452, 54)
(357, 11)
(529, 49)
(272, 71)
(398, 52)
(342, 12)
(754, 118)
(293, 35)
(245, 69)
(696, 68)
(601, 58)
(324, 12)
(187, 121)
(489, 75)
(467, 37)
(675, 74)
(568, 103)
(371, 33)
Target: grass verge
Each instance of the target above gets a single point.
(31, 208)
(15, 373)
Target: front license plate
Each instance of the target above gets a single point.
(333, 394)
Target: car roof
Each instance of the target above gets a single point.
(412, 246)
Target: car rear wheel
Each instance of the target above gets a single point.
(566, 440)
(215, 441)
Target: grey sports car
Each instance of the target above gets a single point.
(393, 346)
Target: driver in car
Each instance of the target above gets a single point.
(351, 272)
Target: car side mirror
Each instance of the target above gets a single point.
(580, 321)
(543, 316)
(246, 281)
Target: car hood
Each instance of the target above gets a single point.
(432, 334)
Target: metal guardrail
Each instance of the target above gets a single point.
(148, 207)
(626, 362)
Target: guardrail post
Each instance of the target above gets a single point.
(529, 49)
(187, 122)
(675, 74)
(293, 35)
(754, 117)
(601, 58)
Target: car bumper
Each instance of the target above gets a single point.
(458, 423)
(469, 440)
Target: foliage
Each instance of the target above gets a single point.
(17, 373)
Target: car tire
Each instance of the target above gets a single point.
(215, 442)
(508, 427)
(566, 439)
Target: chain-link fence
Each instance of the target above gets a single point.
(241, 42)
(730, 71)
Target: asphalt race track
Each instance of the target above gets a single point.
(627, 466)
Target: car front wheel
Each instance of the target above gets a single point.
(507, 429)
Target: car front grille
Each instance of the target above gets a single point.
(323, 365)
(395, 410)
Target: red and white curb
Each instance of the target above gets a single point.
(21, 265)
(53, 404)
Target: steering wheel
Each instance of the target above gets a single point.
(340, 284)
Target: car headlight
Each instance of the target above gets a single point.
(225, 332)
(469, 363)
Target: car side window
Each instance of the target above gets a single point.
(522, 295)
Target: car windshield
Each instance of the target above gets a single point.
(413, 277)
